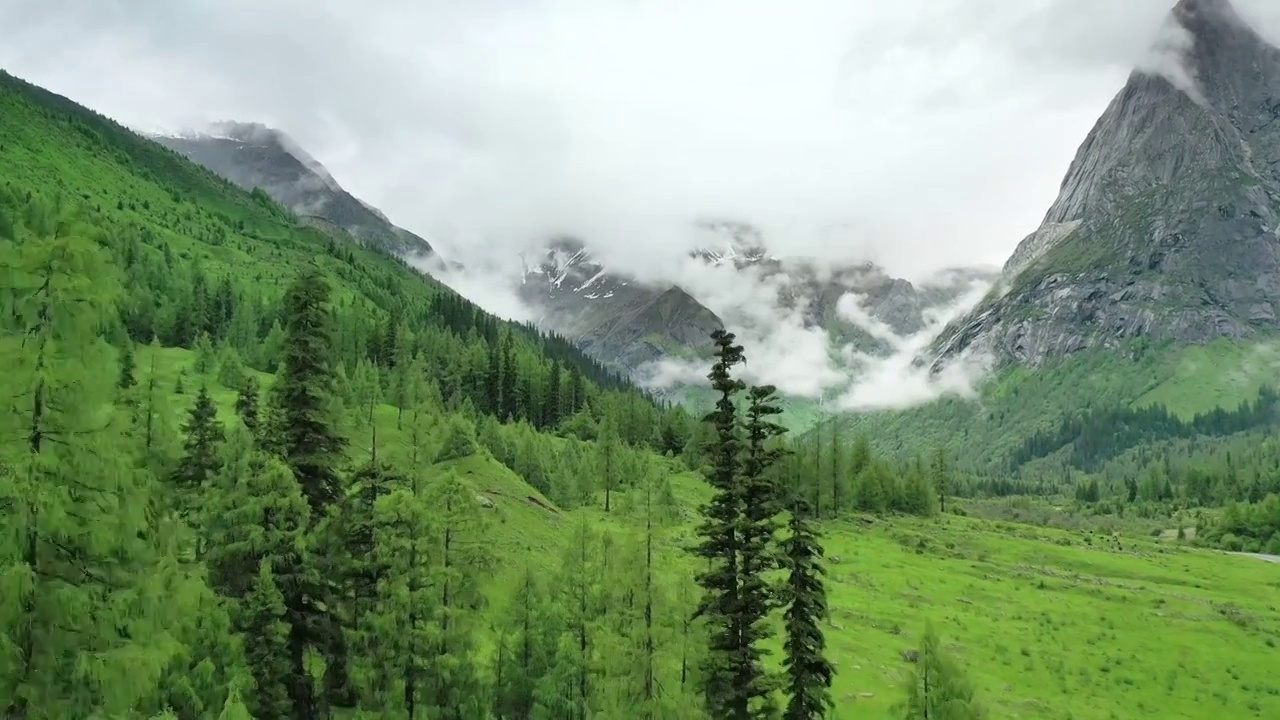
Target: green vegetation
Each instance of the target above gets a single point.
(250, 469)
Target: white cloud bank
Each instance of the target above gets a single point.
(918, 134)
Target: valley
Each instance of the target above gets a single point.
(261, 457)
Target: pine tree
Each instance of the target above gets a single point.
(808, 672)
(206, 355)
(263, 623)
(230, 367)
(721, 542)
(942, 478)
(758, 529)
(204, 438)
(311, 442)
(462, 537)
(610, 447)
(128, 366)
(938, 688)
(247, 403)
(525, 652)
(368, 395)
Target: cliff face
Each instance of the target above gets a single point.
(1166, 223)
(256, 156)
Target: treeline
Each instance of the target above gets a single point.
(1245, 527)
(837, 476)
(1098, 435)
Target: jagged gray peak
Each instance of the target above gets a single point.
(253, 155)
(1166, 222)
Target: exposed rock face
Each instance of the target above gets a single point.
(627, 323)
(617, 320)
(1166, 223)
(252, 155)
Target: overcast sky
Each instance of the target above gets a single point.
(933, 132)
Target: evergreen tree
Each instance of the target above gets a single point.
(206, 355)
(808, 672)
(230, 367)
(263, 622)
(78, 554)
(938, 688)
(311, 442)
(758, 528)
(204, 438)
(128, 366)
(247, 403)
(609, 445)
(721, 544)
(942, 478)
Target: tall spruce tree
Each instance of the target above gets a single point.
(808, 672)
(312, 444)
(758, 541)
(721, 543)
(204, 440)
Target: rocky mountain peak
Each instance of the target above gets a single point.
(253, 155)
(1166, 223)
(1203, 13)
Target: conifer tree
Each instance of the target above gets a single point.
(247, 403)
(721, 544)
(938, 688)
(808, 672)
(525, 653)
(128, 366)
(204, 439)
(230, 367)
(206, 355)
(81, 553)
(609, 445)
(263, 622)
(311, 442)
(942, 478)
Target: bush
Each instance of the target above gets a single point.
(1230, 542)
(1273, 547)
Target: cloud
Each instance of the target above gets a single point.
(935, 132)
(898, 380)
(918, 134)
(804, 360)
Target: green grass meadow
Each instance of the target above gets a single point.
(1050, 624)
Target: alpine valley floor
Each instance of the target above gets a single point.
(1050, 624)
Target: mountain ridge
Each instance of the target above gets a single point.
(253, 155)
(1166, 222)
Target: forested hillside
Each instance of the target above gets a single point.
(250, 469)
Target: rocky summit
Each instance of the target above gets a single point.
(252, 156)
(1166, 224)
(627, 323)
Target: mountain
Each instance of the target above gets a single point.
(627, 323)
(255, 156)
(1166, 224)
(619, 321)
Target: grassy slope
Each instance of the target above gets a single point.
(1019, 401)
(1051, 624)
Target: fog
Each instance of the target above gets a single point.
(918, 134)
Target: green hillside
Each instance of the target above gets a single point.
(251, 469)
